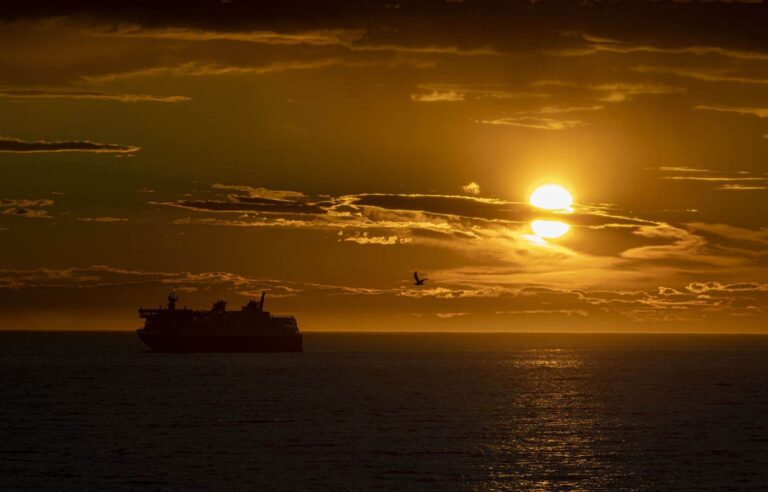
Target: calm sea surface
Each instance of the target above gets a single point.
(82, 411)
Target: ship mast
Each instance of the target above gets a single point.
(172, 298)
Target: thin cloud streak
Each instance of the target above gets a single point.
(29, 94)
(339, 37)
(597, 45)
(15, 145)
(700, 74)
(534, 123)
(759, 112)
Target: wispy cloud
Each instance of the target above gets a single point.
(741, 187)
(749, 111)
(534, 123)
(339, 37)
(619, 92)
(615, 92)
(8, 144)
(712, 178)
(197, 69)
(365, 238)
(683, 169)
(463, 92)
(727, 181)
(555, 109)
(350, 39)
(702, 74)
(103, 220)
(596, 44)
(29, 94)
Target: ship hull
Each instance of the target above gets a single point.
(219, 343)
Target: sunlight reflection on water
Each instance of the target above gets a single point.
(551, 434)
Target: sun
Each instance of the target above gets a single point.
(551, 197)
(549, 229)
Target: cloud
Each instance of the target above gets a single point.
(197, 69)
(597, 44)
(462, 92)
(614, 92)
(682, 243)
(350, 39)
(741, 187)
(706, 301)
(104, 220)
(619, 92)
(436, 96)
(702, 74)
(739, 234)
(759, 112)
(257, 192)
(607, 247)
(22, 207)
(566, 312)
(364, 238)
(471, 188)
(534, 123)
(29, 94)
(106, 276)
(713, 178)
(562, 109)
(731, 181)
(420, 215)
(26, 212)
(706, 287)
(24, 202)
(15, 145)
(330, 37)
(682, 169)
(235, 203)
(450, 315)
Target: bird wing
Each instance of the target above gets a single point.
(416, 276)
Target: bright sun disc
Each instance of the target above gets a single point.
(551, 197)
(549, 229)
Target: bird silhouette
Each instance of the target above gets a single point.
(417, 280)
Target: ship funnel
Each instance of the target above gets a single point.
(261, 303)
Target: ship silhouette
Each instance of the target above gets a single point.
(252, 329)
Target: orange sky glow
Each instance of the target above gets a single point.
(550, 166)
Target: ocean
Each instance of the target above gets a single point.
(95, 411)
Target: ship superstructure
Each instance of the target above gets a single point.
(251, 329)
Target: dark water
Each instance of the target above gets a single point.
(387, 412)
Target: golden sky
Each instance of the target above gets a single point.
(325, 151)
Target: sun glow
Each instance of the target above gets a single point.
(549, 229)
(551, 197)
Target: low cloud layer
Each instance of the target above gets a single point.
(684, 306)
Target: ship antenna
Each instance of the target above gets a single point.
(172, 298)
(261, 304)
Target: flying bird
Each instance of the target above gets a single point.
(418, 281)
